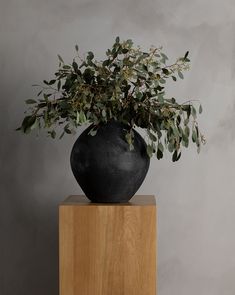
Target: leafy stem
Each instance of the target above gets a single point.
(128, 86)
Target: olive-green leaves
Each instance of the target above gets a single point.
(127, 86)
(30, 101)
(29, 123)
(200, 109)
(60, 58)
(129, 138)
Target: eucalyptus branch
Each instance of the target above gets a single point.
(129, 87)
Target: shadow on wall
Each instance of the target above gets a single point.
(28, 227)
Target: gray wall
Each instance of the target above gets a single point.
(195, 196)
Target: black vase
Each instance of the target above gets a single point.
(105, 167)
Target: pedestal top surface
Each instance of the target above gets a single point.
(137, 200)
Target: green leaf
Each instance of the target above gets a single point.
(136, 106)
(187, 131)
(45, 97)
(178, 121)
(77, 117)
(62, 134)
(176, 156)
(194, 112)
(198, 149)
(125, 50)
(58, 85)
(129, 42)
(194, 135)
(175, 130)
(103, 113)
(35, 124)
(27, 123)
(67, 130)
(90, 55)
(53, 134)
(185, 141)
(52, 82)
(165, 71)
(152, 136)
(163, 81)
(60, 58)
(75, 66)
(30, 101)
(82, 117)
(186, 121)
(171, 147)
(129, 139)
(159, 154)
(160, 147)
(66, 67)
(186, 55)
(160, 98)
(93, 132)
(83, 64)
(180, 75)
(173, 78)
(149, 150)
(139, 95)
(73, 131)
(188, 110)
(45, 82)
(105, 62)
(39, 93)
(173, 100)
(164, 57)
(200, 109)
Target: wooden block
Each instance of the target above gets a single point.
(107, 249)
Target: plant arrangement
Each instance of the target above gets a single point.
(127, 86)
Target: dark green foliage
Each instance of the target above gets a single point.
(128, 86)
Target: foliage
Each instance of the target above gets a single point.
(128, 86)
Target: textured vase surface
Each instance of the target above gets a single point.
(105, 167)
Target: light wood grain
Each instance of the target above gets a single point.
(108, 249)
(137, 200)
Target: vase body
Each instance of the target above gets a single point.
(105, 167)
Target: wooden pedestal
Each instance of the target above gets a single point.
(107, 249)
